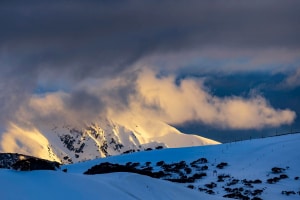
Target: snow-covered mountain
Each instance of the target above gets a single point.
(70, 144)
(266, 168)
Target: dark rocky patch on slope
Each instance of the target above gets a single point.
(180, 172)
(26, 163)
(109, 168)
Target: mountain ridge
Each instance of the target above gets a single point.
(70, 144)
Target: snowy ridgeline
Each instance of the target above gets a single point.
(255, 169)
(68, 144)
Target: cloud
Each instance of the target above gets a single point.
(225, 61)
(191, 101)
(26, 141)
(292, 80)
(88, 101)
(151, 25)
(101, 38)
(66, 47)
(155, 97)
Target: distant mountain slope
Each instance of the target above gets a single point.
(70, 144)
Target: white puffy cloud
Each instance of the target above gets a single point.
(190, 100)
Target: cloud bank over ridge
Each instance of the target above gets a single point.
(158, 98)
(78, 61)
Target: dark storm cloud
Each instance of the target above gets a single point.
(78, 39)
(100, 32)
(93, 99)
(82, 101)
(69, 41)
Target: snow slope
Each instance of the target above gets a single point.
(250, 160)
(51, 185)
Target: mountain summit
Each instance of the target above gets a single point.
(70, 144)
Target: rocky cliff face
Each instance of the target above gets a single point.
(94, 141)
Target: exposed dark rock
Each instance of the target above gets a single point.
(287, 193)
(236, 195)
(109, 168)
(277, 170)
(211, 185)
(160, 163)
(221, 177)
(80, 149)
(129, 151)
(257, 192)
(191, 186)
(222, 165)
(232, 182)
(273, 180)
(104, 147)
(199, 175)
(30, 164)
(209, 192)
(256, 198)
(283, 176)
(188, 170)
(26, 163)
(199, 161)
(68, 141)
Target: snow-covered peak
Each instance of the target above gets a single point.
(102, 138)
